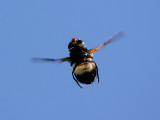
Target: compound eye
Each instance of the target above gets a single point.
(79, 41)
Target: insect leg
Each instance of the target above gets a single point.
(76, 79)
(97, 72)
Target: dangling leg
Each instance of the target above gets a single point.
(97, 72)
(76, 79)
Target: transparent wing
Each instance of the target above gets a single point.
(114, 37)
(67, 59)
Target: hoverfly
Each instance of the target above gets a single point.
(85, 70)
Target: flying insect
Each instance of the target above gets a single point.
(85, 70)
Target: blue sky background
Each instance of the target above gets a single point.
(129, 68)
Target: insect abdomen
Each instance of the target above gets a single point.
(85, 72)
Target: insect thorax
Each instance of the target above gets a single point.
(79, 55)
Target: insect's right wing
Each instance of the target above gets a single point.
(114, 37)
(67, 59)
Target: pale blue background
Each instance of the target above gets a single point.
(129, 68)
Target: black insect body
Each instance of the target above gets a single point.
(85, 69)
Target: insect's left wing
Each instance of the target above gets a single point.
(67, 59)
(114, 37)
